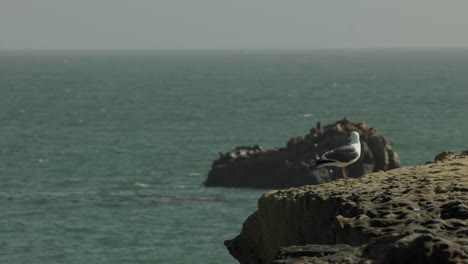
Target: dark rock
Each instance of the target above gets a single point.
(291, 166)
(291, 255)
(444, 155)
(413, 249)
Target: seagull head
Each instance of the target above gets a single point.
(354, 137)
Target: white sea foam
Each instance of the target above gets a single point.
(307, 115)
(142, 185)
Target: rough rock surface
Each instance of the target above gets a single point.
(408, 215)
(291, 166)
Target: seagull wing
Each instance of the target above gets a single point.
(342, 154)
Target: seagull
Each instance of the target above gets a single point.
(342, 156)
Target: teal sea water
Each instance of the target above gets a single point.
(103, 154)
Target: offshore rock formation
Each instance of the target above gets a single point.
(408, 215)
(290, 166)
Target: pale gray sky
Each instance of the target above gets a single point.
(233, 24)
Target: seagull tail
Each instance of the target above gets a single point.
(321, 163)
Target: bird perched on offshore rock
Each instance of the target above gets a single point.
(342, 156)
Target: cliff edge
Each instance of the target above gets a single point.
(408, 215)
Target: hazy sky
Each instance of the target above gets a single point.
(234, 24)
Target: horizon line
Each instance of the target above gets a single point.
(231, 49)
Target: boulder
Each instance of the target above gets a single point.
(408, 215)
(291, 166)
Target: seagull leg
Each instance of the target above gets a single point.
(343, 170)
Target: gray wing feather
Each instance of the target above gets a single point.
(342, 154)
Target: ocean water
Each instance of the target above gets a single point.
(103, 154)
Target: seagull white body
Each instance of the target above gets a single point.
(342, 156)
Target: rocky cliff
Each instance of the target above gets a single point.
(290, 166)
(408, 215)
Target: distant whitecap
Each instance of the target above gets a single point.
(307, 115)
(142, 185)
